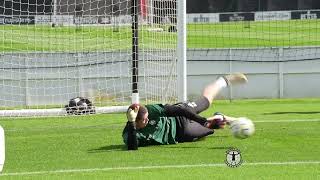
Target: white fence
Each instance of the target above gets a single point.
(29, 79)
(272, 73)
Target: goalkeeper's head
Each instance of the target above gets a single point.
(142, 117)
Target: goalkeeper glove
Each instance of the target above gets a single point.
(216, 122)
(132, 113)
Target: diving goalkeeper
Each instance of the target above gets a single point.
(157, 124)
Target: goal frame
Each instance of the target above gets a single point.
(181, 65)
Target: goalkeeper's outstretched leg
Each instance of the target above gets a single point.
(213, 89)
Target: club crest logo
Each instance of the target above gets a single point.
(152, 122)
(233, 158)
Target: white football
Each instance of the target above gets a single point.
(242, 128)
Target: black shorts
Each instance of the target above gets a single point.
(197, 106)
(189, 130)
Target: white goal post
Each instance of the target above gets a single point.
(100, 50)
(2, 149)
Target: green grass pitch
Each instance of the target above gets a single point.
(285, 146)
(42, 38)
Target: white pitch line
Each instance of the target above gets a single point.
(292, 120)
(155, 167)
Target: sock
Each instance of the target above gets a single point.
(221, 82)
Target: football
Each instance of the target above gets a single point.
(242, 128)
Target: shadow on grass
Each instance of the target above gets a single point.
(120, 147)
(219, 136)
(293, 112)
(109, 148)
(199, 147)
(221, 147)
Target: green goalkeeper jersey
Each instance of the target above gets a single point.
(160, 129)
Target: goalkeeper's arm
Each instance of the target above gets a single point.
(132, 141)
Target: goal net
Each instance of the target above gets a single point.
(55, 50)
